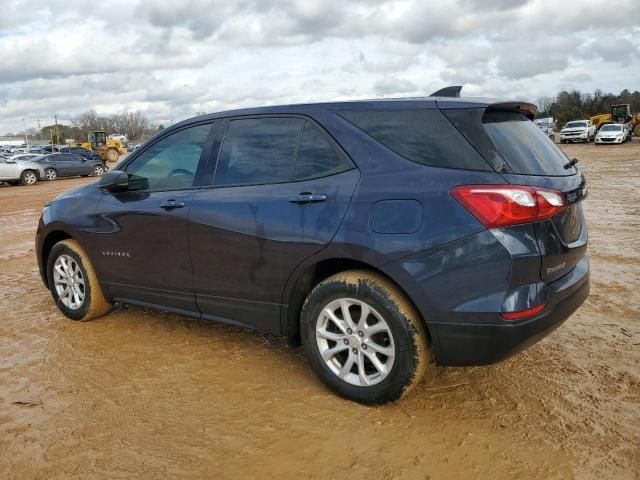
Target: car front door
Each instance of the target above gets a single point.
(141, 247)
(80, 165)
(280, 190)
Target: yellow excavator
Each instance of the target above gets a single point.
(109, 148)
(619, 114)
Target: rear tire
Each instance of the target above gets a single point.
(98, 171)
(50, 174)
(73, 282)
(371, 360)
(28, 177)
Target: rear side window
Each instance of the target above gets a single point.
(258, 150)
(422, 136)
(317, 157)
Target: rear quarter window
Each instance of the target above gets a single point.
(422, 136)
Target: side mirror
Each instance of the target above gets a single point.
(114, 181)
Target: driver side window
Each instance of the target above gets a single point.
(170, 163)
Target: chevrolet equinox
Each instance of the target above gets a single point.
(383, 235)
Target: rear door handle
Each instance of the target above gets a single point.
(307, 198)
(171, 204)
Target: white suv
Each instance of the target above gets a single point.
(578, 131)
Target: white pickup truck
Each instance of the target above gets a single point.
(578, 131)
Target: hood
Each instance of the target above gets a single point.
(72, 192)
(574, 129)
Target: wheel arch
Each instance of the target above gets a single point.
(49, 241)
(311, 275)
(32, 170)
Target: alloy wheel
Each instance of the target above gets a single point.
(355, 342)
(69, 282)
(30, 178)
(50, 174)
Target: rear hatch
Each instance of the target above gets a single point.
(505, 136)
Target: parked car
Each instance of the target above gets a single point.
(547, 131)
(578, 131)
(38, 150)
(380, 234)
(16, 172)
(83, 152)
(69, 165)
(613, 133)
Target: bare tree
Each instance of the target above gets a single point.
(135, 124)
(544, 105)
(88, 121)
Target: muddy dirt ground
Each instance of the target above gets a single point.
(147, 394)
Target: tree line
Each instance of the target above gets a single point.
(577, 105)
(132, 124)
(135, 125)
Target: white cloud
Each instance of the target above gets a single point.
(175, 58)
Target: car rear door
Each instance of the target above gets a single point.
(280, 190)
(141, 250)
(58, 163)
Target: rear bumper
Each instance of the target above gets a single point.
(459, 344)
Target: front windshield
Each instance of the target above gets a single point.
(611, 128)
(575, 125)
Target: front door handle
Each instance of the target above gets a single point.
(307, 197)
(171, 204)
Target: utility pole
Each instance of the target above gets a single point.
(39, 131)
(24, 125)
(55, 117)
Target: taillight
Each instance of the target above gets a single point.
(503, 205)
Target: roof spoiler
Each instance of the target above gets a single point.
(529, 110)
(453, 91)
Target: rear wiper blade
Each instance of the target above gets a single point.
(570, 163)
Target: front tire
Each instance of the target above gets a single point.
(98, 170)
(50, 174)
(363, 338)
(73, 282)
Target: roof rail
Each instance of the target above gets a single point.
(453, 91)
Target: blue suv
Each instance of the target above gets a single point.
(383, 235)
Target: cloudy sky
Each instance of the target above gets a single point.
(174, 58)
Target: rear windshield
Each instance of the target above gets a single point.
(575, 125)
(611, 128)
(525, 148)
(423, 136)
